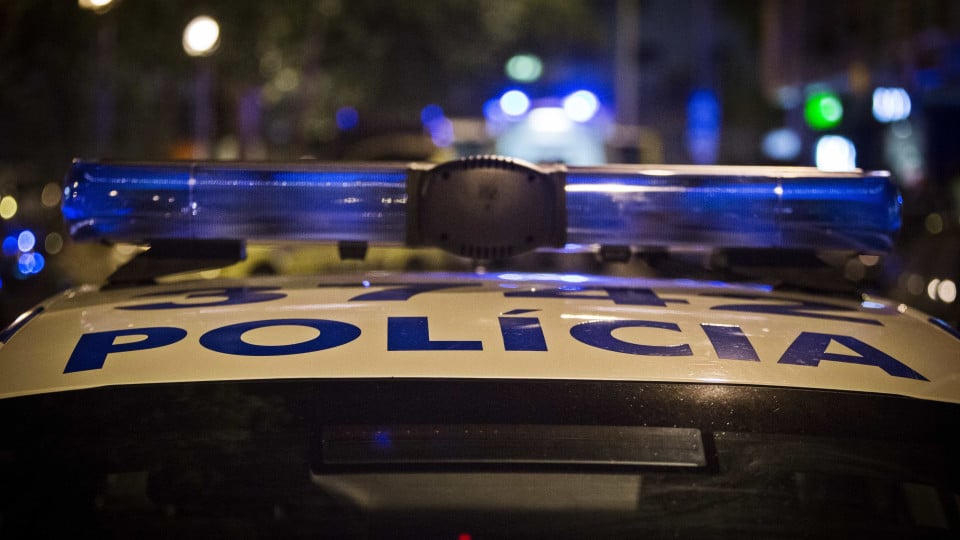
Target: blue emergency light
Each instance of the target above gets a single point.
(484, 207)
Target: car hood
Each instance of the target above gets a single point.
(469, 326)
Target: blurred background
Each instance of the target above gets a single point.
(873, 84)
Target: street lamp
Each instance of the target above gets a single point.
(200, 39)
(201, 36)
(104, 97)
(95, 5)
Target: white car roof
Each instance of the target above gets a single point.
(467, 326)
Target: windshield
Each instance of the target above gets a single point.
(475, 459)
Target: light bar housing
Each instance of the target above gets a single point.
(641, 206)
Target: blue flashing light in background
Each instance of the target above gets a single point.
(431, 113)
(10, 247)
(703, 127)
(836, 153)
(347, 118)
(514, 103)
(26, 241)
(30, 263)
(581, 106)
(492, 111)
(782, 144)
(437, 125)
(891, 104)
(441, 132)
(550, 120)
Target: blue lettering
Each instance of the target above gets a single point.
(796, 308)
(600, 334)
(403, 291)
(229, 339)
(229, 296)
(730, 342)
(810, 348)
(522, 334)
(413, 334)
(92, 349)
(619, 295)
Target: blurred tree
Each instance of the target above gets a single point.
(296, 62)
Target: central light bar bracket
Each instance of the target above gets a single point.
(486, 207)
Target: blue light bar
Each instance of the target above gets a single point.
(252, 201)
(732, 207)
(641, 206)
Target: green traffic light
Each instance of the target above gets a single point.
(524, 68)
(823, 110)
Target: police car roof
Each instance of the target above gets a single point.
(517, 326)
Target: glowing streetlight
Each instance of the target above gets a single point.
(95, 5)
(200, 39)
(201, 36)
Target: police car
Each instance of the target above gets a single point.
(481, 404)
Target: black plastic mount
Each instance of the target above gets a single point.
(487, 207)
(166, 257)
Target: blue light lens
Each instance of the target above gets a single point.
(643, 206)
(244, 201)
(733, 207)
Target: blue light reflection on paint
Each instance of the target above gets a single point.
(943, 325)
(382, 440)
(566, 278)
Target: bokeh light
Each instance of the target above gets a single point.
(347, 118)
(782, 144)
(836, 153)
(514, 103)
(201, 36)
(823, 110)
(431, 113)
(581, 106)
(947, 291)
(53, 243)
(8, 207)
(50, 196)
(26, 241)
(95, 5)
(891, 104)
(524, 68)
(549, 120)
(10, 247)
(30, 263)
